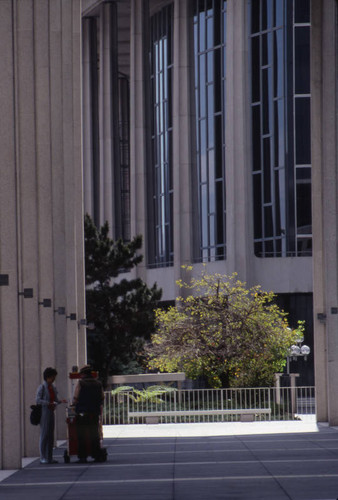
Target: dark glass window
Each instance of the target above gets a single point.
(278, 63)
(162, 187)
(256, 138)
(94, 115)
(267, 169)
(279, 188)
(209, 57)
(255, 75)
(264, 14)
(268, 220)
(124, 156)
(255, 16)
(257, 183)
(303, 204)
(302, 11)
(303, 132)
(281, 149)
(302, 57)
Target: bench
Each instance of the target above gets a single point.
(247, 414)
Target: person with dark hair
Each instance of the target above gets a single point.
(88, 401)
(47, 397)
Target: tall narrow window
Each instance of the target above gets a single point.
(280, 119)
(210, 57)
(124, 156)
(161, 66)
(91, 118)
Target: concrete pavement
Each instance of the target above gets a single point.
(232, 461)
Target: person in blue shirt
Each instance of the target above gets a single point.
(47, 397)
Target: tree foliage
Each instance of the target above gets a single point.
(151, 394)
(222, 330)
(122, 311)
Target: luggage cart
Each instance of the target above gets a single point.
(72, 442)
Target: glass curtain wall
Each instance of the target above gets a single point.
(119, 112)
(280, 112)
(161, 67)
(210, 79)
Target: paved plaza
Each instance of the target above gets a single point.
(233, 461)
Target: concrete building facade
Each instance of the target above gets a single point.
(211, 129)
(41, 214)
(199, 189)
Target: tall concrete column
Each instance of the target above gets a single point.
(11, 442)
(79, 257)
(324, 140)
(319, 302)
(58, 195)
(182, 165)
(70, 350)
(237, 162)
(27, 195)
(138, 124)
(44, 178)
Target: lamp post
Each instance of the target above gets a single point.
(295, 351)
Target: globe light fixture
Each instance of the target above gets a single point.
(297, 350)
(305, 351)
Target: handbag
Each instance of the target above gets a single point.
(35, 415)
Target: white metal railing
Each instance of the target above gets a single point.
(286, 403)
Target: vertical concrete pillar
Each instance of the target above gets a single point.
(44, 179)
(138, 147)
(52, 357)
(10, 360)
(325, 210)
(79, 258)
(70, 350)
(182, 166)
(106, 111)
(27, 202)
(237, 161)
(319, 302)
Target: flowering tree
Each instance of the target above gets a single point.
(223, 330)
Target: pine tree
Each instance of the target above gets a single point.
(122, 311)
